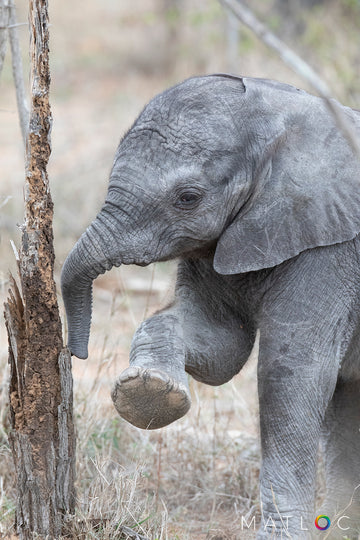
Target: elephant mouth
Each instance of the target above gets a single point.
(126, 260)
(143, 261)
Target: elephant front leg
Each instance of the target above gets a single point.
(154, 391)
(193, 335)
(341, 442)
(293, 396)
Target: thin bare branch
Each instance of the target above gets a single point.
(14, 25)
(17, 69)
(297, 64)
(4, 21)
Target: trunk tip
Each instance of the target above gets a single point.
(78, 350)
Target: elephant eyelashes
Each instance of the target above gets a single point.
(187, 200)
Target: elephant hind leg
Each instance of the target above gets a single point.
(341, 438)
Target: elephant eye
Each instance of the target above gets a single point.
(187, 200)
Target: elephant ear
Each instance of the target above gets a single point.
(305, 187)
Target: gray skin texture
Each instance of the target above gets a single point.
(251, 185)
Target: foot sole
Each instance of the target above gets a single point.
(149, 398)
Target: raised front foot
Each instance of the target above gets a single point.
(149, 398)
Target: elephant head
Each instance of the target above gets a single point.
(247, 171)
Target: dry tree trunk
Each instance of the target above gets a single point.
(42, 434)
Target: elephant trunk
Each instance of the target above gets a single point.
(93, 254)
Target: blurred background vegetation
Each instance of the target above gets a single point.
(194, 479)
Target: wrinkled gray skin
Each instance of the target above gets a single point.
(250, 184)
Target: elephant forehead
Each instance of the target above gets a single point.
(184, 123)
(166, 139)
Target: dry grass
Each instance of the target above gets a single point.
(195, 478)
(190, 480)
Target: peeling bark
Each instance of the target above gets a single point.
(42, 435)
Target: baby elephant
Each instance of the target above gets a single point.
(252, 186)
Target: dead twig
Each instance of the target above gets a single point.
(4, 21)
(132, 535)
(297, 64)
(17, 70)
